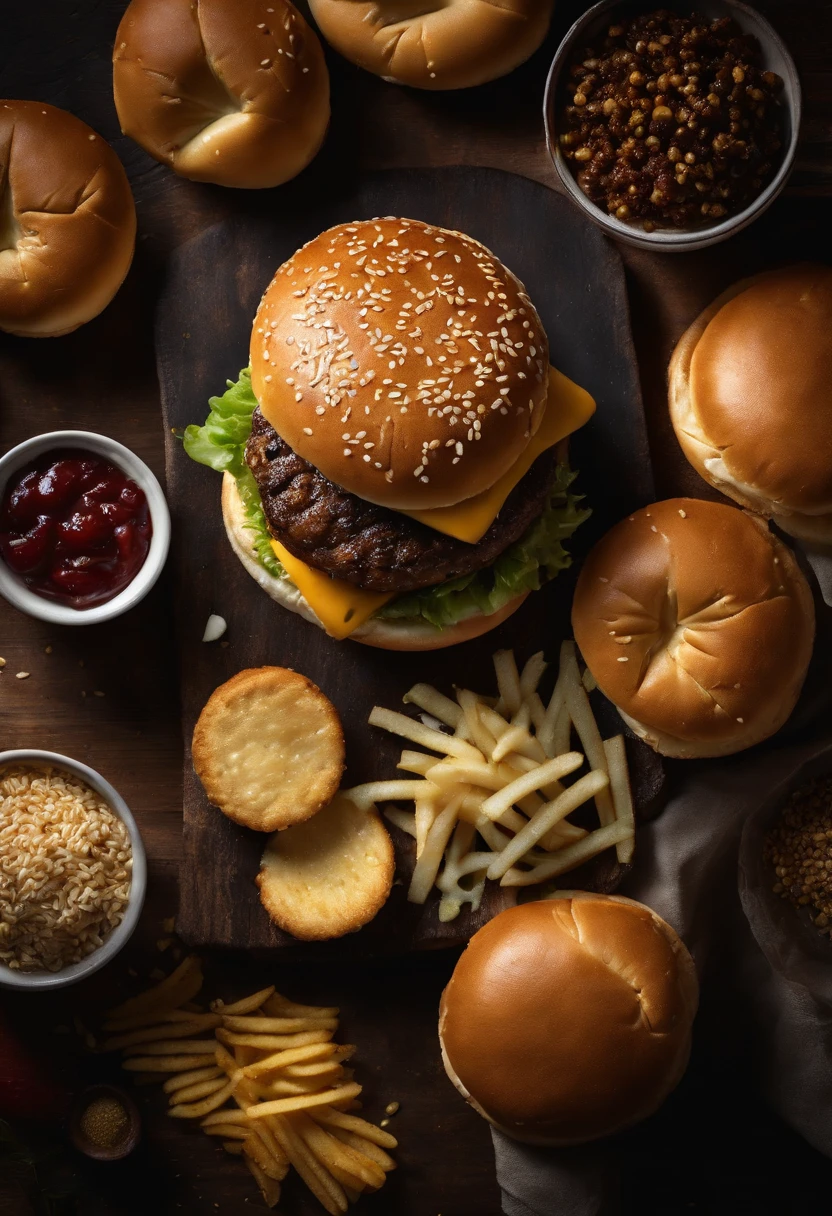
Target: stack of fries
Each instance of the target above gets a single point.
(264, 1075)
(495, 805)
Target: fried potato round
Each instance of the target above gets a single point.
(329, 876)
(268, 748)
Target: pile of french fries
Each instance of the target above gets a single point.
(263, 1075)
(494, 803)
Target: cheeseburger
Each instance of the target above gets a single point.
(393, 458)
(751, 402)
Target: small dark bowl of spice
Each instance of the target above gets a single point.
(785, 876)
(676, 127)
(104, 1123)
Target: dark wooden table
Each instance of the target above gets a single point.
(109, 696)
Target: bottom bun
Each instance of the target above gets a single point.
(383, 634)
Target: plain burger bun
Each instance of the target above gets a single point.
(751, 397)
(698, 624)
(444, 44)
(402, 360)
(228, 91)
(67, 221)
(570, 1018)
(383, 634)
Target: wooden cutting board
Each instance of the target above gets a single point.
(212, 288)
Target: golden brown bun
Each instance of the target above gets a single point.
(568, 1019)
(416, 322)
(383, 634)
(67, 221)
(233, 93)
(696, 621)
(751, 397)
(440, 45)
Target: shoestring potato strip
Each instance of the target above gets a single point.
(493, 804)
(263, 1075)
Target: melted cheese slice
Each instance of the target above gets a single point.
(568, 407)
(339, 606)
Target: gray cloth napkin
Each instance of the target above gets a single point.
(821, 563)
(687, 870)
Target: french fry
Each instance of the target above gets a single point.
(166, 1030)
(227, 1118)
(280, 1006)
(269, 1188)
(622, 797)
(531, 675)
(201, 1089)
(247, 1004)
(345, 1165)
(272, 1042)
(276, 1025)
(583, 789)
(230, 1131)
(426, 697)
(570, 857)
(181, 985)
(427, 866)
(552, 770)
(406, 820)
(508, 680)
(166, 1063)
(319, 1180)
(580, 711)
(291, 1055)
(351, 1123)
(424, 816)
(194, 1076)
(373, 792)
(415, 762)
(254, 1148)
(367, 1147)
(477, 731)
(416, 732)
(285, 1106)
(196, 1110)
(182, 1047)
(235, 1147)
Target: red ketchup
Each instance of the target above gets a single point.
(74, 527)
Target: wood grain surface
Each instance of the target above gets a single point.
(212, 287)
(713, 1148)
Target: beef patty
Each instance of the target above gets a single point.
(374, 547)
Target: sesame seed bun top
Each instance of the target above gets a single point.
(402, 360)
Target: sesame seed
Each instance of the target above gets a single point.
(307, 430)
(622, 658)
(683, 514)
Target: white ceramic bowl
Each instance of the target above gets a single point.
(776, 58)
(12, 587)
(31, 980)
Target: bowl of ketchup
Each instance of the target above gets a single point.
(84, 528)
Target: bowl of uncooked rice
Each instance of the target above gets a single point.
(72, 870)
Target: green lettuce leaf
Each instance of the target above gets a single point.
(221, 444)
(525, 566)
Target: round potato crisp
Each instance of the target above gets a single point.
(329, 876)
(268, 748)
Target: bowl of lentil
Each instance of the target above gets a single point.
(672, 128)
(72, 871)
(785, 876)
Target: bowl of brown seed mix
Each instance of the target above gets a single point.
(674, 128)
(785, 876)
(72, 870)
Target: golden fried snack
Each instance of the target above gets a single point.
(329, 876)
(268, 748)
